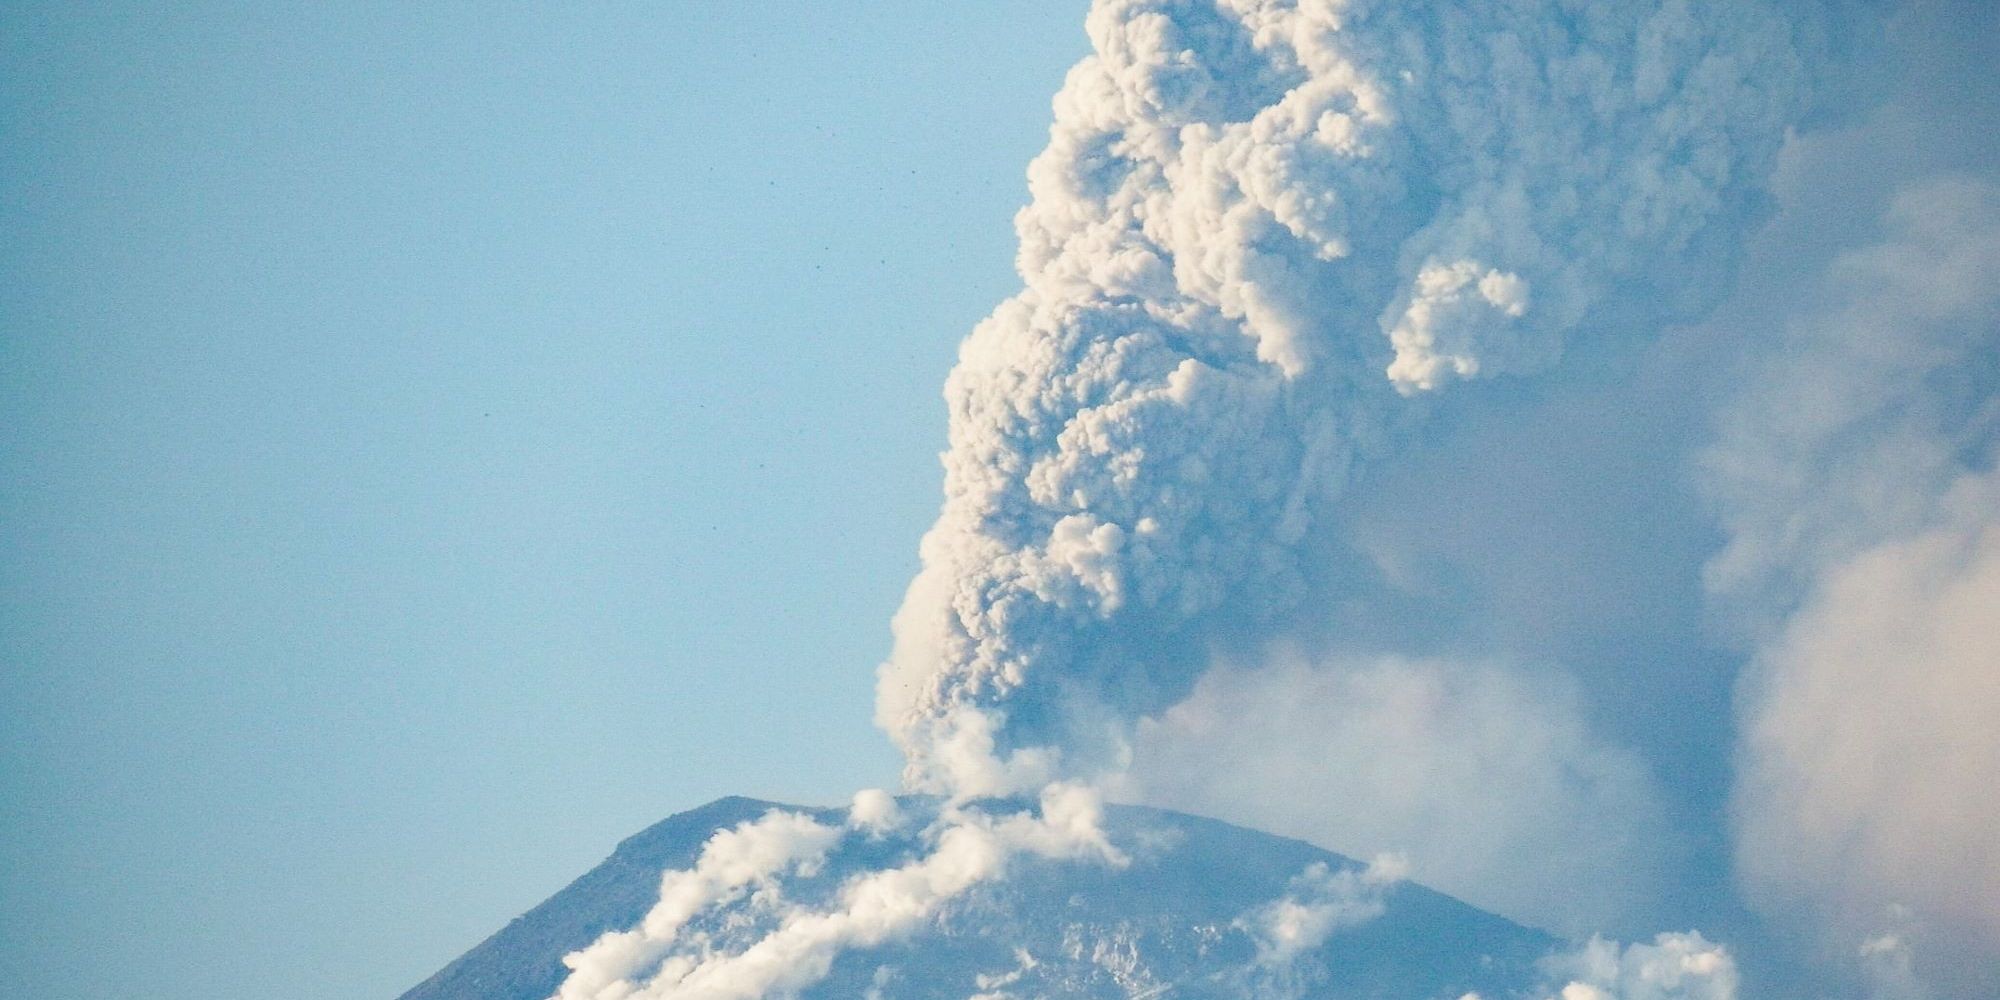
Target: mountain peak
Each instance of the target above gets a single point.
(1187, 914)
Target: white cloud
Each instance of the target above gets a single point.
(749, 855)
(784, 946)
(1437, 337)
(875, 811)
(1872, 740)
(1319, 903)
(1855, 478)
(1487, 777)
(1673, 967)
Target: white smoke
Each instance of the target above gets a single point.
(1856, 476)
(1889, 968)
(1320, 902)
(732, 863)
(1488, 778)
(1673, 967)
(1258, 224)
(775, 946)
(875, 811)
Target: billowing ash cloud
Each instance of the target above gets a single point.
(1259, 230)
(1856, 475)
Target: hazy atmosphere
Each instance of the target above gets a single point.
(1543, 450)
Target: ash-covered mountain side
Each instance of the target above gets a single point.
(1198, 908)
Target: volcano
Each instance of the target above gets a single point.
(1197, 908)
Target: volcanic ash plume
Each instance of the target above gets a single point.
(1262, 232)
(1259, 230)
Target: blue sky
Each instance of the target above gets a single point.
(441, 442)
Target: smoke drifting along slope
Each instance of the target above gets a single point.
(1202, 909)
(1259, 228)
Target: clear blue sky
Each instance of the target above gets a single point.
(436, 443)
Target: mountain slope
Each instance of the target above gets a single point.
(1187, 918)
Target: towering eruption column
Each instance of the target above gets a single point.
(1261, 232)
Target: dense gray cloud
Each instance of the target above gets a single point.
(1258, 228)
